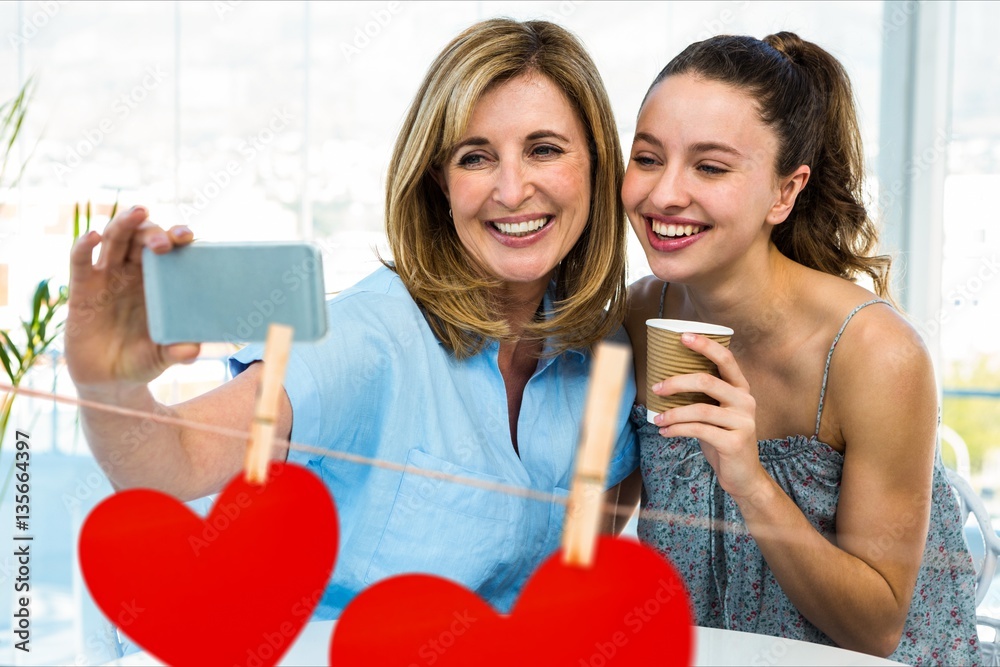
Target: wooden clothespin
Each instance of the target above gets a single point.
(597, 438)
(276, 350)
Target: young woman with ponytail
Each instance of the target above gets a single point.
(811, 502)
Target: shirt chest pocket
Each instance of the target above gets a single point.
(446, 528)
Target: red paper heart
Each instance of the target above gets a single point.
(234, 588)
(630, 608)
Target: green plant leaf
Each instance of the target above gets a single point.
(42, 324)
(10, 347)
(51, 309)
(41, 294)
(11, 124)
(28, 331)
(46, 343)
(5, 360)
(9, 127)
(76, 221)
(114, 209)
(39, 335)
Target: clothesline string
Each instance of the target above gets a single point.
(521, 492)
(245, 436)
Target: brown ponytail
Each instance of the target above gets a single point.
(805, 95)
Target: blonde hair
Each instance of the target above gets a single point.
(459, 298)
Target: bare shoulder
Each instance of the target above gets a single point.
(877, 336)
(643, 303)
(881, 339)
(882, 378)
(643, 300)
(645, 291)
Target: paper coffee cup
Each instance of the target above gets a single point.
(667, 356)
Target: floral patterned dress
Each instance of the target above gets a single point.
(688, 518)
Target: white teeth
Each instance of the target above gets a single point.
(668, 230)
(521, 228)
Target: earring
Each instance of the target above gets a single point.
(449, 212)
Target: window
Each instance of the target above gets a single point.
(970, 362)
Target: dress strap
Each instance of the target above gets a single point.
(663, 298)
(826, 371)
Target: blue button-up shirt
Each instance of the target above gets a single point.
(381, 385)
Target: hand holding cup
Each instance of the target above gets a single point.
(667, 356)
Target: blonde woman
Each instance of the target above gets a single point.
(467, 354)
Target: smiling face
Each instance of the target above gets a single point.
(700, 188)
(518, 182)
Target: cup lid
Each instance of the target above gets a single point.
(690, 326)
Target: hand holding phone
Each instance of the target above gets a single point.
(108, 342)
(108, 348)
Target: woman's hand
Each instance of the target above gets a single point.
(107, 342)
(728, 431)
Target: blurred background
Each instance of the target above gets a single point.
(275, 120)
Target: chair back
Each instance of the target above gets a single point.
(972, 504)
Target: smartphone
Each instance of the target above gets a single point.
(231, 292)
